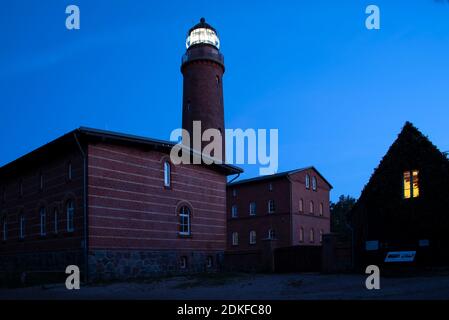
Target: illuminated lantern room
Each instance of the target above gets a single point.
(202, 33)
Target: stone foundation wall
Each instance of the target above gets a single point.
(128, 264)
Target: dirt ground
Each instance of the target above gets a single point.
(247, 286)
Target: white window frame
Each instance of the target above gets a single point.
(312, 236)
(301, 205)
(234, 211)
(43, 221)
(70, 214)
(235, 238)
(271, 206)
(307, 181)
(184, 221)
(301, 234)
(252, 237)
(270, 187)
(21, 226)
(271, 234)
(167, 174)
(314, 185)
(321, 209)
(252, 208)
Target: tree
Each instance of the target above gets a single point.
(340, 216)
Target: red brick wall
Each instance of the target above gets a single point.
(129, 208)
(56, 191)
(259, 192)
(305, 219)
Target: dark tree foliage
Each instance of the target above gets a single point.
(340, 216)
(382, 213)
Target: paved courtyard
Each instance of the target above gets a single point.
(248, 286)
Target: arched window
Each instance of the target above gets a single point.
(69, 171)
(271, 234)
(235, 239)
(55, 221)
(252, 237)
(312, 235)
(321, 209)
(4, 229)
(312, 207)
(43, 220)
(301, 234)
(301, 205)
(21, 226)
(184, 221)
(167, 174)
(70, 211)
(314, 183)
(307, 181)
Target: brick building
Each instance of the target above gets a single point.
(291, 208)
(114, 204)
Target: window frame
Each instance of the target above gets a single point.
(21, 226)
(252, 237)
(235, 238)
(70, 216)
(167, 174)
(271, 234)
(311, 207)
(301, 234)
(301, 205)
(43, 221)
(314, 183)
(271, 207)
(252, 208)
(307, 182)
(321, 210)
(185, 212)
(234, 211)
(312, 235)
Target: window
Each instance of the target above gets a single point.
(301, 234)
(411, 184)
(271, 207)
(183, 262)
(312, 207)
(312, 236)
(55, 221)
(70, 210)
(69, 171)
(321, 209)
(252, 209)
(234, 192)
(210, 262)
(234, 212)
(4, 229)
(252, 237)
(314, 183)
(307, 181)
(321, 235)
(43, 220)
(184, 221)
(270, 187)
(271, 234)
(167, 174)
(301, 205)
(235, 239)
(217, 79)
(21, 226)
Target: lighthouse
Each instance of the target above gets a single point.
(202, 68)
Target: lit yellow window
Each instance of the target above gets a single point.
(415, 181)
(411, 184)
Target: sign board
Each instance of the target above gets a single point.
(400, 256)
(372, 245)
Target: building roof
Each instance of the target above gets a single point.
(91, 134)
(276, 176)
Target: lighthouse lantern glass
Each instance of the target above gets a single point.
(203, 35)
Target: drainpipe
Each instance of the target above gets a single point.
(86, 251)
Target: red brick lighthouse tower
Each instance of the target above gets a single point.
(203, 68)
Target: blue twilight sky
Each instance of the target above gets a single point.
(338, 93)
